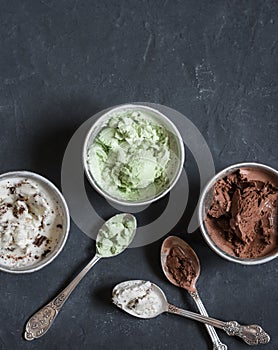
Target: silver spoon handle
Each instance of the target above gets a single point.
(217, 344)
(43, 319)
(251, 334)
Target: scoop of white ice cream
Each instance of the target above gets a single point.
(22, 212)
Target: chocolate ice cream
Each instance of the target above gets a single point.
(242, 219)
(180, 267)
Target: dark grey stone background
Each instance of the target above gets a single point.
(63, 61)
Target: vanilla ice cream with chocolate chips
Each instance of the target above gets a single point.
(31, 222)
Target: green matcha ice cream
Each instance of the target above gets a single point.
(115, 235)
(133, 156)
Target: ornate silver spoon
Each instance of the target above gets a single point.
(144, 299)
(188, 271)
(106, 246)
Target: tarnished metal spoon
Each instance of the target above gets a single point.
(251, 334)
(43, 319)
(175, 251)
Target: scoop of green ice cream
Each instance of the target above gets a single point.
(115, 235)
(130, 156)
(139, 173)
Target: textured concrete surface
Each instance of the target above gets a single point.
(63, 61)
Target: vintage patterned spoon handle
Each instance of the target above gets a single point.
(251, 334)
(43, 319)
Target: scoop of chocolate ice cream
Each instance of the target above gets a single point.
(180, 267)
(221, 201)
(242, 219)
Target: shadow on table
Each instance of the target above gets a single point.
(103, 294)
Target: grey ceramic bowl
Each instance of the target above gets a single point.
(53, 191)
(205, 203)
(161, 119)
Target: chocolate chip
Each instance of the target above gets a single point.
(46, 252)
(12, 189)
(42, 226)
(39, 240)
(21, 210)
(15, 212)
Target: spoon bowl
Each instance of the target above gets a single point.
(124, 226)
(127, 305)
(175, 243)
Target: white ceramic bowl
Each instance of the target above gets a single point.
(205, 203)
(159, 118)
(56, 194)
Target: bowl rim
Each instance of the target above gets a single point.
(204, 232)
(44, 262)
(103, 116)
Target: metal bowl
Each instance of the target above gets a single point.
(56, 194)
(205, 203)
(161, 119)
